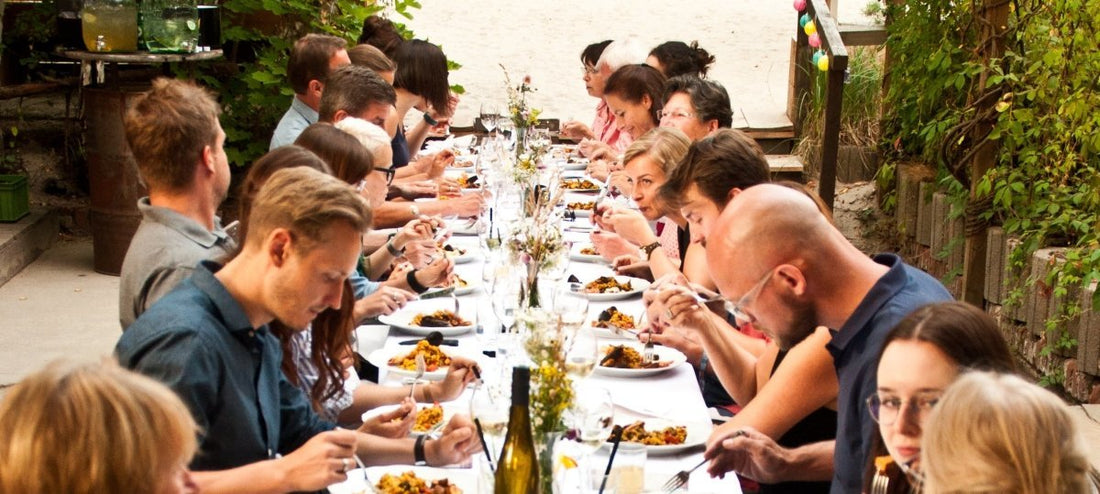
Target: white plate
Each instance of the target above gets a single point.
(697, 434)
(382, 356)
(471, 287)
(576, 164)
(575, 254)
(463, 226)
(638, 286)
(599, 186)
(468, 256)
(448, 412)
(402, 319)
(610, 334)
(464, 478)
(581, 213)
(664, 353)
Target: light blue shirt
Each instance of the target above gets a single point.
(294, 121)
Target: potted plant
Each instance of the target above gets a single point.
(14, 200)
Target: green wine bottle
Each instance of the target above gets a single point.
(518, 467)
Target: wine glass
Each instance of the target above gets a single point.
(490, 115)
(581, 354)
(571, 306)
(592, 416)
(489, 405)
(506, 303)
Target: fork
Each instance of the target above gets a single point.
(880, 484)
(680, 479)
(454, 298)
(420, 368)
(647, 350)
(363, 468)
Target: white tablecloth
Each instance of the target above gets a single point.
(672, 395)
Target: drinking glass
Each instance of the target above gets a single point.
(581, 354)
(628, 473)
(592, 417)
(490, 115)
(506, 303)
(571, 305)
(489, 405)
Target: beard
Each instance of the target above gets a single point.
(803, 321)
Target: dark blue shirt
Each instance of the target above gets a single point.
(855, 349)
(198, 341)
(400, 147)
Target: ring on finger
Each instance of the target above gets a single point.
(343, 465)
(668, 312)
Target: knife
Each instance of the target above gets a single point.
(448, 342)
(438, 293)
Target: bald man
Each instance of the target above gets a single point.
(790, 271)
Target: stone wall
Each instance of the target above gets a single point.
(1018, 296)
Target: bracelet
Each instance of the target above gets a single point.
(394, 251)
(431, 121)
(648, 249)
(418, 451)
(410, 278)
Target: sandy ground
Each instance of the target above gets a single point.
(749, 39)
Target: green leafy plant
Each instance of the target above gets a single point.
(1040, 102)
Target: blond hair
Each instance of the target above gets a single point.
(167, 128)
(367, 133)
(91, 428)
(306, 202)
(994, 433)
(665, 145)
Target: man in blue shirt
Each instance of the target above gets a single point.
(792, 271)
(208, 340)
(312, 58)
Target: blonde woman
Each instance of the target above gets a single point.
(999, 433)
(94, 428)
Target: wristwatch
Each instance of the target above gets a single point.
(647, 250)
(418, 451)
(431, 121)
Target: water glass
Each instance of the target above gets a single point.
(628, 472)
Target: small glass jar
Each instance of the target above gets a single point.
(110, 25)
(170, 26)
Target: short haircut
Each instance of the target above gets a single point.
(262, 169)
(422, 70)
(167, 128)
(381, 33)
(371, 58)
(621, 53)
(369, 135)
(678, 58)
(631, 82)
(309, 60)
(665, 145)
(307, 203)
(345, 155)
(353, 89)
(591, 54)
(710, 99)
(91, 428)
(717, 164)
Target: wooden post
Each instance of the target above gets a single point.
(801, 67)
(834, 98)
(994, 14)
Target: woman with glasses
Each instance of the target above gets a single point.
(595, 78)
(999, 433)
(920, 358)
(695, 106)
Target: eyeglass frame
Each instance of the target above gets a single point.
(677, 113)
(390, 172)
(918, 405)
(590, 69)
(737, 309)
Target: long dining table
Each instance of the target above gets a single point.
(671, 396)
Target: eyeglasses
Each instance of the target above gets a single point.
(886, 410)
(676, 114)
(390, 173)
(590, 70)
(742, 316)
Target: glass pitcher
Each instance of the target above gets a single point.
(110, 25)
(170, 26)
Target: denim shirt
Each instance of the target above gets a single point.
(855, 348)
(198, 341)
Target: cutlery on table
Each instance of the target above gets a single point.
(420, 368)
(680, 479)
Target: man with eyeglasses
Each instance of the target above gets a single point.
(790, 271)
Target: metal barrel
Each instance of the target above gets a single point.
(112, 175)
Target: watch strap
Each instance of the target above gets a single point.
(648, 249)
(418, 451)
